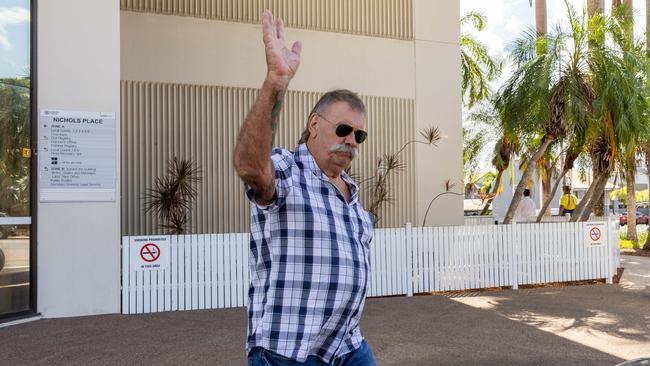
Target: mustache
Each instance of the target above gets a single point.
(346, 149)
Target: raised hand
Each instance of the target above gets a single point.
(281, 62)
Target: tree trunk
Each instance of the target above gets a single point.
(540, 17)
(629, 6)
(585, 200)
(597, 196)
(495, 189)
(549, 199)
(631, 208)
(595, 7)
(546, 186)
(519, 191)
(646, 245)
(599, 206)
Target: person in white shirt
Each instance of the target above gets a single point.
(526, 208)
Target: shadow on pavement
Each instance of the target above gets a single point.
(435, 330)
(421, 330)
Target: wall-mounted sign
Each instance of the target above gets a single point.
(149, 253)
(76, 156)
(595, 233)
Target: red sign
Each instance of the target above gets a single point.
(150, 252)
(594, 234)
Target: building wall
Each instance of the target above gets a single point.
(438, 102)
(375, 18)
(78, 68)
(162, 120)
(402, 56)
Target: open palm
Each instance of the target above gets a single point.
(281, 62)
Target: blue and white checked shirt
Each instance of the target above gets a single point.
(309, 263)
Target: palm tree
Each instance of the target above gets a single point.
(544, 167)
(572, 154)
(503, 152)
(473, 143)
(646, 245)
(547, 96)
(540, 16)
(620, 106)
(487, 121)
(629, 163)
(628, 167)
(595, 7)
(478, 67)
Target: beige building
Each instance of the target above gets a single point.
(180, 75)
(190, 71)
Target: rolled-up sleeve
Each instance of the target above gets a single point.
(283, 163)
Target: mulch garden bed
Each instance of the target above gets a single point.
(637, 252)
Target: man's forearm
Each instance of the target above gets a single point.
(252, 153)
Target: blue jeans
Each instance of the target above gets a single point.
(362, 356)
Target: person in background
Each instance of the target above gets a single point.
(526, 206)
(568, 201)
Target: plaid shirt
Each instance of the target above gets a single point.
(309, 262)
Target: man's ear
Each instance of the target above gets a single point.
(313, 125)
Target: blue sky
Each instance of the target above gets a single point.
(14, 38)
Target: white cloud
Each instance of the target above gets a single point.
(11, 16)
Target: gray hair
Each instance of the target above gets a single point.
(331, 97)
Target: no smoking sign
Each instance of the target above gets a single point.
(595, 233)
(149, 253)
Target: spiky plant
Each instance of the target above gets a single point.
(388, 166)
(448, 187)
(171, 198)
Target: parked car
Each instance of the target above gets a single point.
(642, 209)
(641, 219)
(6, 230)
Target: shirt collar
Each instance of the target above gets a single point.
(303, 155)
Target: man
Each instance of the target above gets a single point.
(568, 201)
(310, 236)
(526, 208)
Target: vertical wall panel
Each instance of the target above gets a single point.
(164, 120)
(385, 18)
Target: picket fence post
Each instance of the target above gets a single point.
(610, 243)
(409, 258)
(513, 237)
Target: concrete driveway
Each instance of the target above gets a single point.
(578, 325)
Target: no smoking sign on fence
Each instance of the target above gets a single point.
(595, 233)
(149, 253)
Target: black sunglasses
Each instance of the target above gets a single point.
(344, 129)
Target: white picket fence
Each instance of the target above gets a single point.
(489, 220)
(211, 271)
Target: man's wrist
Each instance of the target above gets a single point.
(277, 83)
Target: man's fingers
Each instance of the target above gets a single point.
(274, 31)
(296, 48)
(279, 24)
(268, 30)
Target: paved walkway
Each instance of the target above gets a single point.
(637, 272)
(579, 325)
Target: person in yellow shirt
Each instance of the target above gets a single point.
(568, 201)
